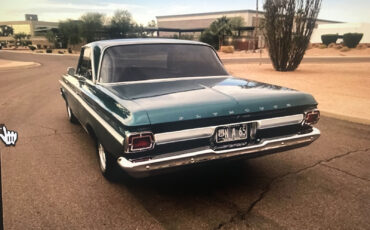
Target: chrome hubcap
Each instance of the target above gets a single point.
(102, 159)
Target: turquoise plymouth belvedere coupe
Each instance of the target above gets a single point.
(157, 104)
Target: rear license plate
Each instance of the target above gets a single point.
(231, 133)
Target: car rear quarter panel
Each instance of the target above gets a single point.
(90, 121)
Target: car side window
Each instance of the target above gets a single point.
(84, 68)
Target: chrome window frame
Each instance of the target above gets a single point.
(93, 75)
(97, 81)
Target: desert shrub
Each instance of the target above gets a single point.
(70, 50)
(26, 43)
(31, 47)
(338, 47)
(361, 46)
(315, 45)
(329, 38)
(345, 49)
(322, 46)
(49, 51)
(332, 45)
(288, 26)
(227, 49)
(352, 39)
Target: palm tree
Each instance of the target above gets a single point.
(222, 27)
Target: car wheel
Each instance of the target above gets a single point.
(71, 117)
(107, 163)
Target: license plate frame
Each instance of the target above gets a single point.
(231, 133)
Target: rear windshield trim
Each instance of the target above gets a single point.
(162, 80)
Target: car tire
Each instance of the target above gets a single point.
(71, 117)
(107, 163)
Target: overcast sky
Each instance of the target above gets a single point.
(146, 10)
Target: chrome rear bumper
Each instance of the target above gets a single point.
(274, 144)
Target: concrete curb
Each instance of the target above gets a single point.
(55, 54)
(359, 120)
(25, 66)
(307, 57)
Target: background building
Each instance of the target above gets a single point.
(204, 20)
(201, 21)
(31, 26)
(342, 28)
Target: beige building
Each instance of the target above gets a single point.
(203, 20)
(31, 27)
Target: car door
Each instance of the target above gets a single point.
(85, 79)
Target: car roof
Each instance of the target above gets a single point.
(131, 41)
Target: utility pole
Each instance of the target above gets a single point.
(255, 42)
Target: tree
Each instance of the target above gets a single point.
(152, 24)
(91, 27)
(121, 24)
(288, 28)
(224, 26)
(6, 30)
(210, 38)
(19, 37)
(52, 36)
(70, 32)
(236, 23)
(138, 31)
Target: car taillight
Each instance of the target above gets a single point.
(311, 117)
(140, 142)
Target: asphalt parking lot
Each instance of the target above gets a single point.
(51, 179)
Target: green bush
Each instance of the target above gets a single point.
(345, 49)
(49, 51)
(329, 38)
(351, 40)
(209, 38)
(31, 47)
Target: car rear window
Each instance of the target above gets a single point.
(158, 61)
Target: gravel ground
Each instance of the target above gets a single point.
(314, 52)
(342, 89)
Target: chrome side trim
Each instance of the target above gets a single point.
(280, 121)
(190, 134)
(137, 168)
(105, 124)
(184, 135)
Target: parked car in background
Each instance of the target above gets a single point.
(158, 104)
